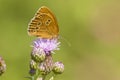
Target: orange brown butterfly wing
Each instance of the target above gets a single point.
(46, 10)
(44, 24)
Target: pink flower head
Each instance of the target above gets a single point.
(47, 45)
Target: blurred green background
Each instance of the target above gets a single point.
(92, 27)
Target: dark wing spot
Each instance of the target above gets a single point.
(48, 22)
(39, 23)
(37, 28)
(31, 28)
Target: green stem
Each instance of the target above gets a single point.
(44, 76)
(54, 75)
(32, 78)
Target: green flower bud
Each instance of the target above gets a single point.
(46, 66)
(42, 69)
(38, 55)
(58, 67)
(33, 64)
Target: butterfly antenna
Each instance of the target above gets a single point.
(68, 43)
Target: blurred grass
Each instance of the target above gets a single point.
(91, 27)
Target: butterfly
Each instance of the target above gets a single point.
(43, 24)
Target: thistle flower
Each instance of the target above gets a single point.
(58, 67)
(2, 66)
(48, 45)
(42, 62)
